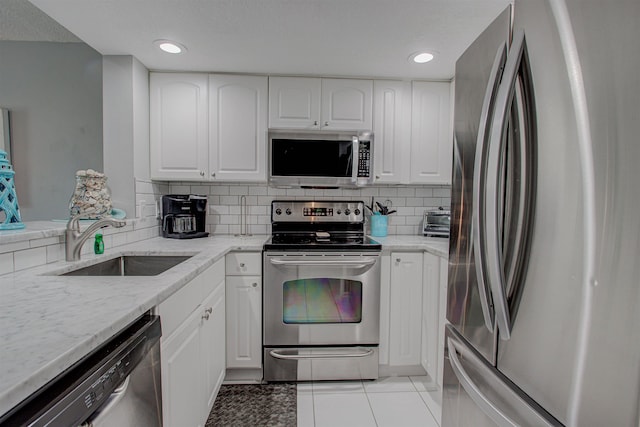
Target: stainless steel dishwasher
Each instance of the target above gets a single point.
(116, 385)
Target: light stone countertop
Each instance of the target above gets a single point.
(49, 322)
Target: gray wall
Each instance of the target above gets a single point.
(54, 92)
(126, 127)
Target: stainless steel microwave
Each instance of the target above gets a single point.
(320, 159)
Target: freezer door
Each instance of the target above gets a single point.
(478, 72)
(593, 380)
(476, 394)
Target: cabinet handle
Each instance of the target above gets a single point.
(315, 123)
(326, 123)
(205, 316)
(209, 310)
(254, 284)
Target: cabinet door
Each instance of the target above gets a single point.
(178, 126)
(294, 102)
(244, 320)
(237, 128)
(431, 133)
(347, 104)
(182, 386)
(442, 317)
(430, 314)
(213, 343)
(392, 130)
(406, 309)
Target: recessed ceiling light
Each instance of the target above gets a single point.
(170, 46)
(421, 57)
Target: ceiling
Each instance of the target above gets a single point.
(354, 38)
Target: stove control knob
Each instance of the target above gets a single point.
(278, 211)
(347, 211)
(288, 211)
(357, 212)
(338, 211)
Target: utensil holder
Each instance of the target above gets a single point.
(379, 225)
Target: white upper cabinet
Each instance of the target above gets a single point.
(347, 104)
(179, 126)
(237, 127)
(431, 133)
(321, 104)
(294, 102)
(392, 130)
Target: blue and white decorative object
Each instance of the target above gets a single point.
(8, 198)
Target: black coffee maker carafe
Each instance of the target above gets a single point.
(183, 216)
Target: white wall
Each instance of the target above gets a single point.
(54, 92)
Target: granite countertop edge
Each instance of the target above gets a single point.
(49, 322)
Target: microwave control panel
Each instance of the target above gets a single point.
(364, 159)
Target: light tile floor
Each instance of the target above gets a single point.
(390, 401)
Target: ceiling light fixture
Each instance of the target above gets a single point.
(421, 57)
(170, 46)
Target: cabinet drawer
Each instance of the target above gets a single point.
(213, 277)
(175, 309)
(244, 263)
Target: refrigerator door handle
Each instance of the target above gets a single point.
(494, 252)
(488, 407)
(479, 184)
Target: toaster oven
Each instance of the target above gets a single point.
(436, 222)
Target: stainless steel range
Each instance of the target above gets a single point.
(321, 293)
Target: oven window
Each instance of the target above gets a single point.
(323, 300)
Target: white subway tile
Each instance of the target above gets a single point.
(272, 191)
(442, 192)
(256, 190)
(36, 243)
(229, 200)
(6, 263)
(295, 192)
(415, 201)
(220, 229)
(55, 253)
(424, 192)
(406, 192)
(240, 190)
(29, 258)
(179, 189)
(12, 247)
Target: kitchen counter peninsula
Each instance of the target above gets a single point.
(49, 322)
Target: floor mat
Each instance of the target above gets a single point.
(255, 405)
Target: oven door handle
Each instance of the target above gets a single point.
(278, 355)
(325, 263)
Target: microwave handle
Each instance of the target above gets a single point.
(355, 154)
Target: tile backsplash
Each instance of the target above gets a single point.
(224, 203)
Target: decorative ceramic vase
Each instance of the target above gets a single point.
(8, 198)
(92, 197)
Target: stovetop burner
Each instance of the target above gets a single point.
(327, 225)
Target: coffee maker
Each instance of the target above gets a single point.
(183, 216)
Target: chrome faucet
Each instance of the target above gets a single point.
(74, 239)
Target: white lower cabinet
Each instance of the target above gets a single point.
(431, 315)
(405, 308)
(244, 317)
(412, 314)
(244, 320)
(192, 348)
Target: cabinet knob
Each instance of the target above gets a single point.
(213, 174)
(398, 260)
(242, 265)
(377, 176)
(205, 316)
(201, 173)
(315, 123)
(326, 123)
(254, 284)
(209, 310)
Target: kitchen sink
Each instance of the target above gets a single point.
(130, 265)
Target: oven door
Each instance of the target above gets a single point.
(330, 298)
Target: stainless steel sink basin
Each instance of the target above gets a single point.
(130, 265)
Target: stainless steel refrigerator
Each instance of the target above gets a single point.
(544, 267)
